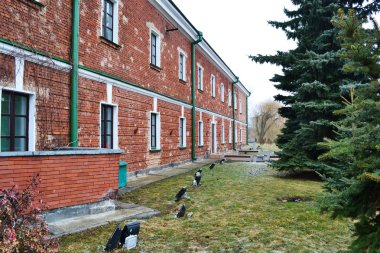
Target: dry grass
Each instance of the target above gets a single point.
(233, 212)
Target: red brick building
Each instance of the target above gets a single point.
(132, 79)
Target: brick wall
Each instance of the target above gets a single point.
(78, 180)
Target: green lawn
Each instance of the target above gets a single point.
(232, 212)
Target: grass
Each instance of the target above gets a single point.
(232, 212)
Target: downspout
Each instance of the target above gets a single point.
(233, 112)
(74, 75)
(193, 113)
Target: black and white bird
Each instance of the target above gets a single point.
(181, 211)
(223, 161)
(211, 166)
(197, 177)
(181, 194)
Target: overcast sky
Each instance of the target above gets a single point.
(237, 29)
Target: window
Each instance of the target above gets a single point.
(110, 20)
(240, 107)
(235, 141)
(200, 133)
(200, 77)
(212, 85)
(14, 121)
(154, 131)
(155, 58)
(235, 102)
(106, 127)
(182, 67)
(222, 93)
(182, 132)
(241, 135)
(223, 140)
(229, 98)
(230, 134)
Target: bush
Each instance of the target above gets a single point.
(22, 228)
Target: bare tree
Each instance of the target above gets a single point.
(267, 122)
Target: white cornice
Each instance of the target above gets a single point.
(177, 18)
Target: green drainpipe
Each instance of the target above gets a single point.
(74, 76)
(193, 113)
(233, 113)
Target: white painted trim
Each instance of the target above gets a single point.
(223, 134)
(173, 15)
(183, 132)
(229, 97)
(222, 92)
(99, 78)
(31, 115)
(115, 21)
(182, 111)
(115, 123)
(155, 104)
(200, 115)
(19, 73)
(32, 57)
(158, 128)
(109, 93)
(200, 133)
(230, 133)
(213, 83)
(217, 115)
(158, 46)
(180, 51)
(202, 72)
(215, 141)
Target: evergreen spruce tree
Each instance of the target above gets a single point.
(353, 160)
(312, 75)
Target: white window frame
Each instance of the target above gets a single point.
(181, 52)
(200, 74)
(240, 107)
(115, 28)
(223, 136)
(235, 102)
(183, 132)
(241, 135)
(229, 98)
(115, 123)
(222, 93)
(200, 133)
(230, 134)
(212, 81)
(158, 47)
(158, 131)
(31, 115)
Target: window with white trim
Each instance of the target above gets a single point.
(14, 121)
(200, 77)
(223, 137)
(182, 132)
(222, 93)
(212, 85)
(155, 49)
(110, 20)
(108, 126)
(182, 66)
(229, 98)
(235, 101)
(200, 133)
(230, 134)
(240, 107)
(241, 135)
(155, 131)
(235, 134)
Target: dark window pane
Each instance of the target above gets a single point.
(109, 22)
(21, 105)
(5, 103)
(109, 142)
(109, 34)
(20, 126)
(109, 7)
(106, 126)
(109, 127)
(5, 126)
(109, 112)
(20, 144)
(5, 144)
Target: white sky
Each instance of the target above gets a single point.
(237, 29)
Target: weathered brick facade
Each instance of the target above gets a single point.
(35, 46)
